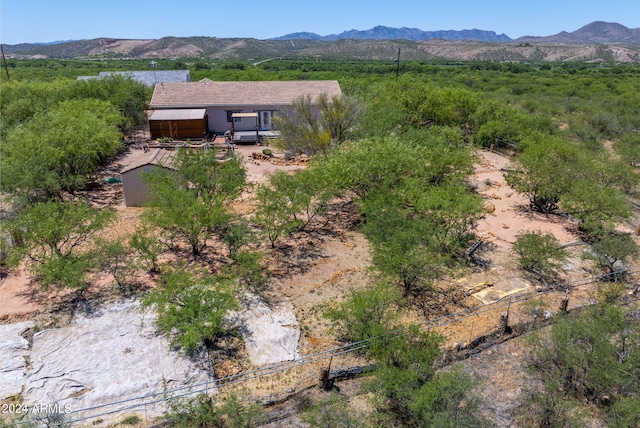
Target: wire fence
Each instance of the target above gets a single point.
(152, 406)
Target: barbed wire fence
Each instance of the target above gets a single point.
(305, 372)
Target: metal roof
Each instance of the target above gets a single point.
(159, 157)
(178, 114)
(207, 93)
(149, 78)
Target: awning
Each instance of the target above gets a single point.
(178, 114)
(244, 115)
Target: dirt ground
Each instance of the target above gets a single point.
(335, 262)
(17, 298)
(319, 269)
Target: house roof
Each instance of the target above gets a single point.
(207, 93)
(159, 157)
(178, 114)
(149, 78)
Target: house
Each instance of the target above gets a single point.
(246, 107)
(149, 78)
(136, 192)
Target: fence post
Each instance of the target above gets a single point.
(504, 320)
(325, 382)
(564, 304)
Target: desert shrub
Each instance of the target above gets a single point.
(611, 252)
(540, 254)
(591, 357)
(113, 257)
(50, 235)
(56, 150)
(191, 307)
(411, 194)
(306, 131)
(192, 202)
(147, 247)
(413, 391)
(206, 412)
(628, 147)
(544, 172)
(131, 420)
(248, 271)
(366, 314)
(332, 411)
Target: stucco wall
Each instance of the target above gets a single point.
(218, 117)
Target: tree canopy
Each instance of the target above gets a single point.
(56, 150)
(192, 201)
(316, 128)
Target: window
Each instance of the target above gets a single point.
(230, 112)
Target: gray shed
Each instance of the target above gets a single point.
(136, 192)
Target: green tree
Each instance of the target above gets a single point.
(50, 236)
(191, 307)
(403, 248)
(129, 96)
(113, 257)
(628, 147)
(611, 252)
(426, 105)
(247, 271)
(192, 202)
(556, 174)
(594, 357)
(290, 202)
(413, 391)
(366, 314)
(410, 191)
(544, 172)
(57, 150)
(597, 205)
(315, 128)
(147, 246)
(275, 211)
(540, 254)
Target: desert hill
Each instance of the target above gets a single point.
(596, 42)
(596, 32)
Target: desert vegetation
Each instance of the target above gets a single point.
(398, 154)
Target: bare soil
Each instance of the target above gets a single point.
(318, 268)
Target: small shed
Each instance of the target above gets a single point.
(135, 190)
(179, 123)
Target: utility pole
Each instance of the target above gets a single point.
(4, 60)
(397, 61)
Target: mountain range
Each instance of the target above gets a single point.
(387, 33)
(595, 42)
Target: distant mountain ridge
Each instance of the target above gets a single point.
(596, 32)
(381, 32)
(595, 42)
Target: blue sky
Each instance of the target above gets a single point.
(27, 21)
